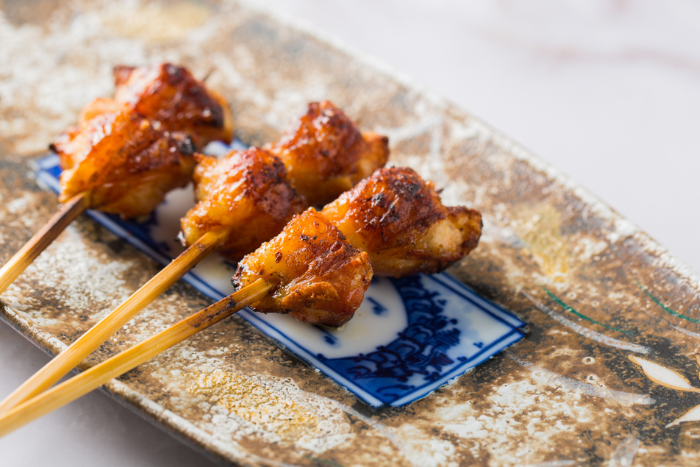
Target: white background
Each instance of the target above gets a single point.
(607, 91)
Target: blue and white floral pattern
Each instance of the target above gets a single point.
(409, 336)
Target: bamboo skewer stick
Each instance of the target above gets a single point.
(110, 324)
(209, 73)
(42, 239)
(119, 364)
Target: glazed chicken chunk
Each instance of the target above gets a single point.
(221, 193)
(321, 277)
(169, 94)
(326, 154)
(398, 219)
(123, 161)
(245, 191)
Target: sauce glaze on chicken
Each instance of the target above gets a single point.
(169, 94)
(321, 277)
(398, 218)
(394, 217)
(129, 151)
(326, 154)
(317, 158)
(246, 191)
(125, 163)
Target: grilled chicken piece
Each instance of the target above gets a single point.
(246, 191)
(322, 278)
(100, 106)
(398, 219)
(394, 218)
(123, 161)
(326, 154)
(169, 94)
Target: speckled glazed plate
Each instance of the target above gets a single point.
(607, 372)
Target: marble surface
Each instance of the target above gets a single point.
(607, 91)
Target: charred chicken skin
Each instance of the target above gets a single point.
(394, 218)
(398, 218)
(245, 191)
(228, 198)
(170, 95)
(321, 277)
(125, 163)
(326, 154)
(128, 152)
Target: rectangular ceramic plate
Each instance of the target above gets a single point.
(409, 336)
(606, 372)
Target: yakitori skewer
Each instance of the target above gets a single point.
(87, 381)
(244, 200)
(394, 216)
(310, 270)
(127, 152)
(324, 149)
(171, 95)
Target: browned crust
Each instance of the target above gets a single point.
(170, 95)
(322, 278)
(123, 160)
(398, 218)
(326, 154)
(470, 224)
(246, 191)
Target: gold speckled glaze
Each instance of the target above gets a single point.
(607, 372)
